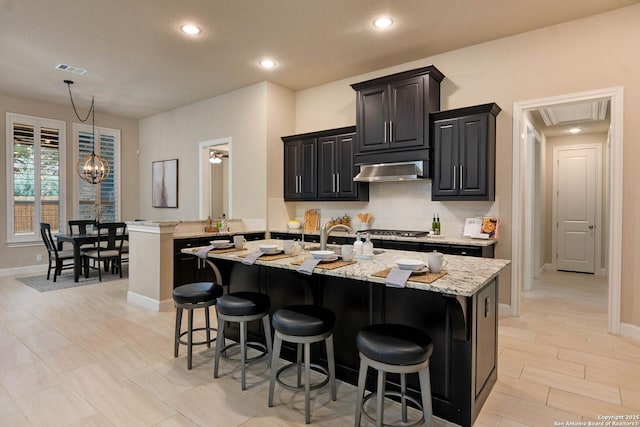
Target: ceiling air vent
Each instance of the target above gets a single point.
(71, 69)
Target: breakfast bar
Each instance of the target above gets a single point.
(458, 311)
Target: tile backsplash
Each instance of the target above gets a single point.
(393, 205)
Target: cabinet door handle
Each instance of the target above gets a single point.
(333, 182)
(461, 177)
(454, 177)
(300, 178)
(390, 131)
(298, 185)
(385, 132)
(337, 183)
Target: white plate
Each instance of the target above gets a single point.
(331, 259)
(410, 264)
(422, 270)
(223, 246)
(323, 255)
(269, 248)
(271, 252)
(220, 243)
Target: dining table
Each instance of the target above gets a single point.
(77, 241)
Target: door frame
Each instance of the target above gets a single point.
(598, 204)
(204, 175)
(521, 201)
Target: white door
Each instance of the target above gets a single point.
(577, 179)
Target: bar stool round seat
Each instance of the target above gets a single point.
(190, 297)
(243, 307)
(398, 349)
(303, 325)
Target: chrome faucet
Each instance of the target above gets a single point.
(324, 233)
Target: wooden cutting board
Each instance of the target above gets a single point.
(311, 219)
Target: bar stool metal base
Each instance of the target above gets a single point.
(179, 334)
(425, 390)
(244, 361)
(303, 341)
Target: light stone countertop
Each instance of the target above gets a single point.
(465, 276)
(447, 240)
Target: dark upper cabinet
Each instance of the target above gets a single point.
(328, 174)
(336, 169)
(392, 115)
(464, 152)
(300, 173)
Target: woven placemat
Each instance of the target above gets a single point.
(327, 265)
(271, 257)
(427, 277)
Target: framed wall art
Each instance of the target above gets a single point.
(164, 184)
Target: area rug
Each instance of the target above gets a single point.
(64, 281)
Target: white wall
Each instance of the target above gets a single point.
(240, 115)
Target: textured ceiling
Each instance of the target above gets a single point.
(140, 64)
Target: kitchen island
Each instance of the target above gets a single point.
(458, 311)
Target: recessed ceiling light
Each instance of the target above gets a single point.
(383, 22)
(190, 29)
(575, 130)
(267, 63)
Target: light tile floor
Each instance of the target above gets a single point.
(85, 357)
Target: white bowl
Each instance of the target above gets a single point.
(219, 243)
(410, 264)
(294, 224)
(268, 248)
(323, 254)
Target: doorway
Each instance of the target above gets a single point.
(524, 172)
(214, 185)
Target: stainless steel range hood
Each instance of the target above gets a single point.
(385, 172)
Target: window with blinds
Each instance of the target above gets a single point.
(99, 201)
(35, 159)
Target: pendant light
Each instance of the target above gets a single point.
(92, 168)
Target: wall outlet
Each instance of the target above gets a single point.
(39, 257)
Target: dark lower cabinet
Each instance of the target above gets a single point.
(189, 268)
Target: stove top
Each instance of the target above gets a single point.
(396, 233)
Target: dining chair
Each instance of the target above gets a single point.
(111, 236)
(79, 226)
(58, 259)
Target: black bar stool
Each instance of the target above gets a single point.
(303, 325)
(190, 297)
(243, 307)
(397, 349)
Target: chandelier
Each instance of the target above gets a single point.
(92, 168)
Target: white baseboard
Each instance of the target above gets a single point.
(23, 271)
(630, 331)
(149, 303)
(504, 310)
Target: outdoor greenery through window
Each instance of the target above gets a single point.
(102, 201)
(35, 158)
